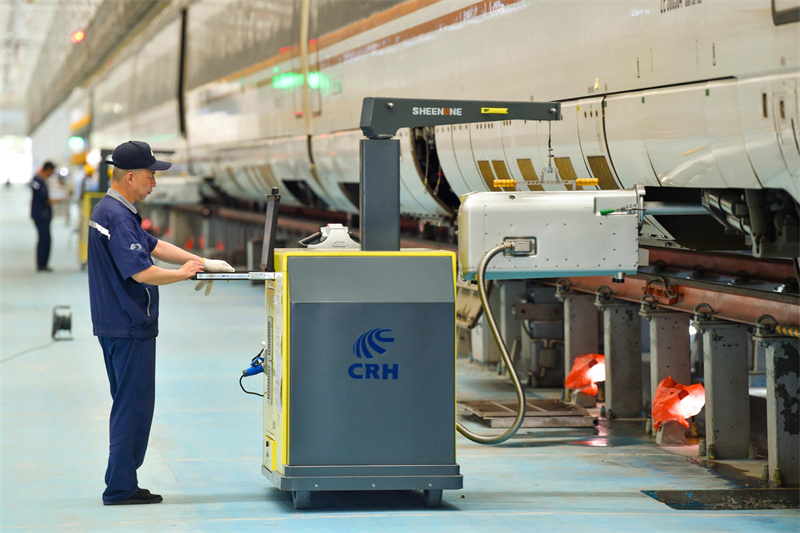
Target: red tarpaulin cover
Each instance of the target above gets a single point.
(673, 401)
(587, 370)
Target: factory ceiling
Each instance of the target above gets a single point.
(52, 46)
(34, 32)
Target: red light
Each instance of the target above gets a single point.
(312, 41)
(77, 36)
(284, 49)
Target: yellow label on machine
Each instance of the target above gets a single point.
(494, 111)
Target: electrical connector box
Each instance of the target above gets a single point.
(549, 234)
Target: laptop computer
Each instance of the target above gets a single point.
(267, 266)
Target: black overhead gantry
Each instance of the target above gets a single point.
(380, 153)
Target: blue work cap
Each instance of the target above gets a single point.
(134, 155)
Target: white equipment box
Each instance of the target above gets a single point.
(554, 233)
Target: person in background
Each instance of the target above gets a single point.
(123, 292)
(42, 214)
(86, 182)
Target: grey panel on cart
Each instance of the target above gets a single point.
(372, 279)
(405, 416)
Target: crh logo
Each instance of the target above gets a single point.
(368, 346)
(366, 343)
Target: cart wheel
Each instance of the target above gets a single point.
(302, 499)
(433, 498)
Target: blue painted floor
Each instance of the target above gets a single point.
(204, 454)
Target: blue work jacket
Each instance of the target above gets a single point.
(40, 208)
(118, 249)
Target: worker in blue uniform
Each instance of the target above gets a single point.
(123, 290)
(42, 214)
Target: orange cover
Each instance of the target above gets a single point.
(587, 370)
(673, 401)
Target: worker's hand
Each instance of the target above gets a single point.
(190, 268)
(217, 265)
(207, 283)
(212, 265)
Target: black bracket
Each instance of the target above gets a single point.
(380, 154)
(382, 117)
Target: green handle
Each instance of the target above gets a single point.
(605, 212)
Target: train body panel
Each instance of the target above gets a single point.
(694, 94)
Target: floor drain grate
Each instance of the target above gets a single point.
(727, 499)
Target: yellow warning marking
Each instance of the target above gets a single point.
(494, 111)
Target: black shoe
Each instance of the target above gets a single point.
(142, 496)
(44, 269)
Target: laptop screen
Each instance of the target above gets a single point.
(270, 228)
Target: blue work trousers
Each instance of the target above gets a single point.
(43, 245)
(131, 368)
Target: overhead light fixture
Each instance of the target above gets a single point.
(77, 36)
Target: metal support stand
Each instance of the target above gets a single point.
(542, 336)
(669, 345)
(622, 334)
(783, 406)
(380, 195)
(508, 293)
(726, 383)
(581, 327)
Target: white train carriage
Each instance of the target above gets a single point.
(690, 98)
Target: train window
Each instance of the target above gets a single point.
(764, 105)
(782, 108)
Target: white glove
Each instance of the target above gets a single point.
(212, 265)
(217, 265)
